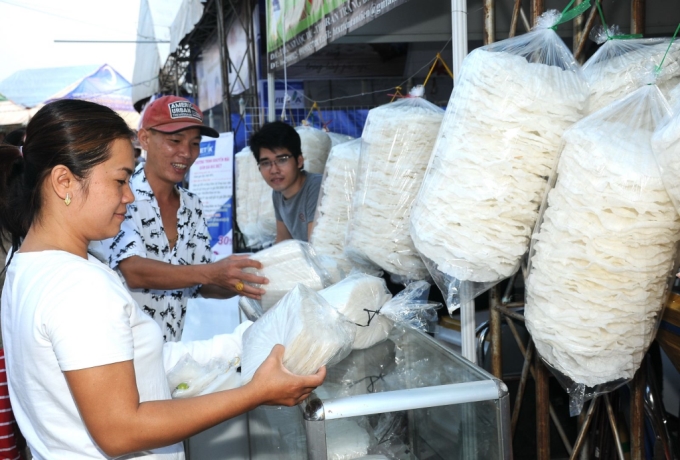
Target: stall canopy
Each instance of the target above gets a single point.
(13, 114)
(162, 25)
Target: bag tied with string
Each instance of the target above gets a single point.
(396, 145)
(622, 65)
(603, 254)
(499, 141)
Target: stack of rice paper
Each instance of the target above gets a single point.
(396, 146)
(498, 144)
(666, 146)
(621, 66)
(285, 265)
(314, 334)
(254, 206)
(315, 145)
(605, 249)
(335, 200)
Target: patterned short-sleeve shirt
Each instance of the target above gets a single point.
(142, 234)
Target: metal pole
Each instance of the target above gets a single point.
(637, 416)
(637, 16)
(542, 411)
(271, 96)
(615, 430)
(586, 32)
(515, 16)
(537, 9)
(468, 331)
(584, 429)
(222, 43)
(496, 337)
(578, 29)
(489, 21)
(522, 384)
(459, 35)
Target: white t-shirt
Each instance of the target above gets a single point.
(60, 313)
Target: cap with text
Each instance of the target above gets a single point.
(170, 114)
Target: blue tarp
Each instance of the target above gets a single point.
(105, 86)
(34, 86)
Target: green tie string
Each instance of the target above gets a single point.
(570, 13)
(657, 71)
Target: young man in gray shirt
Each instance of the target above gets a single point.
(295, 192)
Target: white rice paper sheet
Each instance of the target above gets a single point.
(605, 249)
(497, 147)
(315, 145)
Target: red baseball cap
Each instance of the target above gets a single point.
(170, 114)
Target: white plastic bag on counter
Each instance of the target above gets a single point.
(498, 144)
(396, 145)
(335, 200)
(189, 378)
(620, 66)
(337, 139)
(315, 145)
(366, 301)
(604, 251)
(286, 264)
(254, 206)
(314, 334)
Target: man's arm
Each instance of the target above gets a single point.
(282, 232)
(225, 274)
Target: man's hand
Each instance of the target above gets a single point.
(228, 273)
(276, 385)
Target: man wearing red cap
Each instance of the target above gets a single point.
(163, 249)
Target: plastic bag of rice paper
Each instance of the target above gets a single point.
(622, 65)
(335, 200)
(396, 145)
(674, 97)
(313, 332)
(666, 147)
(604, 250)
(337, 139)
(315, 145)
(286, 264)
(366, 301)
(254, 206)
(188, 378)
(498, 144)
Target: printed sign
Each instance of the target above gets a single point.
(309, 25)
(211, 178)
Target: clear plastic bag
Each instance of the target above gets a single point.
(316, 145)
(254, 206)
(189, 378)
(620, 66)
(337, 139)
(313, 332)
(286, 264)
(335, 200)
(396, 145)
(603, 253)
(346, 440)
(251, 308)
(498, 144)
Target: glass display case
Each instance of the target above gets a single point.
(408, 397)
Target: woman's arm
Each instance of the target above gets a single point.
(108, 401)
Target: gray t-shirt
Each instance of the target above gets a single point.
(299, 210)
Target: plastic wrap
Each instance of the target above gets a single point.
(189, 378)
(254, 206)
(498, 144)
(337, 139)
(674, 97)
(396, 145)
(286, 264)
(666, 147)
(621, 66)
(346, 440)
(315, 145)
(251, 308)
(604, 252)
(335, 200)
(366, 301)
(312, 331)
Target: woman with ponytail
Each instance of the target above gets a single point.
(85, 365)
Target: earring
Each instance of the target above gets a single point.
(67, 200)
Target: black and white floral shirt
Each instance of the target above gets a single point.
(142, 234)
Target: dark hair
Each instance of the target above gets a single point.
(73, 133)
(16, 137)
(9, 155)
(276, 135)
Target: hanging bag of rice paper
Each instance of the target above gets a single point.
(666, 146)
(313, 332)
(396, 146)
(254, 206)
(622, 64)
(315, 145)
(285, 265)
(335, 199)
(337, 138)
(498, 144)
(604, 250)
